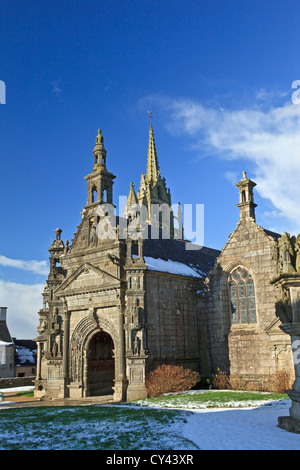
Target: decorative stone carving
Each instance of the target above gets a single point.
(283, 307)
(286, 254)
(92, 234)
(287, 309)
(297, 252)
(136, 345)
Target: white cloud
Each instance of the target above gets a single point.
(265, 94)
(37, 267)
(55, 88)
(23, 302)
(268, 138)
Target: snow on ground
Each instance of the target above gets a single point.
(17, 389)
(241, 429)
(245, 428)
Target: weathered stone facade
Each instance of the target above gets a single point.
(250, 347)
(113, 309)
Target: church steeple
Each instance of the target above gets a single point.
(153, 171)
(153, 192)
(246, 201)
(153, 188)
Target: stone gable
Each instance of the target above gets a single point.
(250, 350)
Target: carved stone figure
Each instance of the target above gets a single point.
(54, 348)
(285, 254)
(136, 345)
(297, 253)
(42, 326)
(92, 238)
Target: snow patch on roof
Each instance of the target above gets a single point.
(169, 266)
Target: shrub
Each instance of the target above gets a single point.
(220, 380)
(238, 383)
(280, 381)
(170, 378)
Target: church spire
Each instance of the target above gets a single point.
(131, 201)
(153, 171)
(153, 192)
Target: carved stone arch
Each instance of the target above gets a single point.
(82, 334)
(235, 264)
(103, 324)
(93, 376)
(83, 329)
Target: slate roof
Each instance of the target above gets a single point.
(274, 235)
(200, 260)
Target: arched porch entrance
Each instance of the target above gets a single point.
(100, 365)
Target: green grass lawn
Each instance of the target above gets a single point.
(92, 427)
(129, 426)
(26, 393)
(213, 399)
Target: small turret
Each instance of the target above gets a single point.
(100, 181)
(246, 201)
(99, 152)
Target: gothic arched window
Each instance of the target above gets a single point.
(242, 296)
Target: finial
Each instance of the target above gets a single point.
(244, 175)
(58, 233)
(99, 138)
(150, 115)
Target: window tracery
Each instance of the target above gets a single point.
(242, 296)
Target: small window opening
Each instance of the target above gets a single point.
(94, 195)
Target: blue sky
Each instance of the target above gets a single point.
(217, 76)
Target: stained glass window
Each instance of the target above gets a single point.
(242, 296)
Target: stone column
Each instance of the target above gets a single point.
(66, 345)
(39, 361)
(136, 365)
(292, 422)
(288, 310)
(85, 391)
(120, 379)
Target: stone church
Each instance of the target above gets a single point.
(123, 298)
